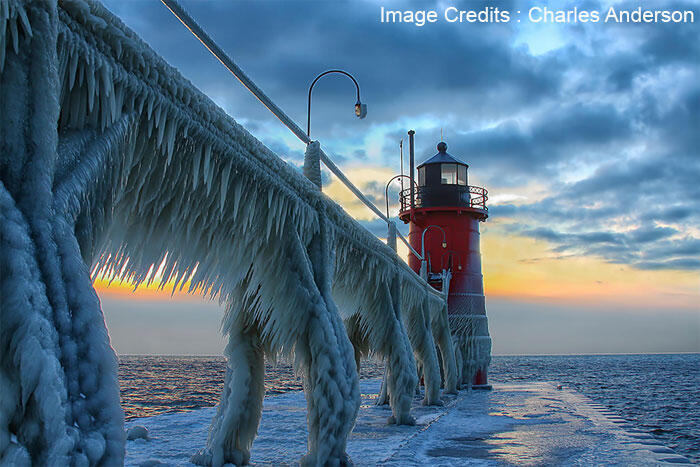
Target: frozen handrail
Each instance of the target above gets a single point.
(225, 60)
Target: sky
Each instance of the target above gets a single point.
(587, 136)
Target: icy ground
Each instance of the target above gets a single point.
(531, 423)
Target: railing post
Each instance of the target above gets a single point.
(424, 269)
(446, 277)
(312, 163)
(391, 236)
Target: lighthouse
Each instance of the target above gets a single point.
(444, 213)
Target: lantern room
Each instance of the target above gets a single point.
(442, 181)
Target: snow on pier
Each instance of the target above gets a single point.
(521, 424)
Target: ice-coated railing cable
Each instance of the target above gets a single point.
(226, 61)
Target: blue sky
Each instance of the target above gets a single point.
(586, 135)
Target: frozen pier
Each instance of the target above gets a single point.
(515, 424)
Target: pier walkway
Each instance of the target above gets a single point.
(515, 424)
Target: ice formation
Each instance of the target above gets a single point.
(112, 161)
(429, 332)
(472, 344)
(137, 432)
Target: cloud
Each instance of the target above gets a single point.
(672, 264)
(651, 233)
(605, 122)
(648, 246)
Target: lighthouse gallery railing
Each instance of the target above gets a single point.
(477, 198)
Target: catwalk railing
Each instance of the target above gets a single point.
(463, 195)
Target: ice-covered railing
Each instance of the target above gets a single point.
(209, 43)
(104, 104)
(113, 161)
(419, 334)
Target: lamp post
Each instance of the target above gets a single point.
(360, 108)
(386, 190)
(424, 262)
(391, 232)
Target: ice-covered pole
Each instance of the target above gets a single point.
(391, 236)
(312, 163)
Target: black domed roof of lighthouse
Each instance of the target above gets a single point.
(442, 157)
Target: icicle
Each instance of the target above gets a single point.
(132, 102)
(279, 217)
(141, 101)
(149, 108)
(2, 48)
(15, 36)
(171, 128)
(118, 48)
(105, 74)
(25, 21)
(207, 162)
(114, 102)
(237, 197)
(268, 226)
(160, 125)
(224, 185)
(75, 108)
(196, 158)
(118, 102)
(91, 89)
(73, 69)
(150, 125)
(4, 16)
(82, 67)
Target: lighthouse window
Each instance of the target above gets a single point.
(421, 176)
(449, 174)
(461, 174)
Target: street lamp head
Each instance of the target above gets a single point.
(444, 244)
(360, 110)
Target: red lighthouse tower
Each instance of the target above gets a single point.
(444, 214)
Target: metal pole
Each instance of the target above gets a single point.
(401, 157)
(386, 190)
(411, 156)
(422, 238)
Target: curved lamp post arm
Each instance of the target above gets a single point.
(422, 239)
(360, 108)
(386, 190)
